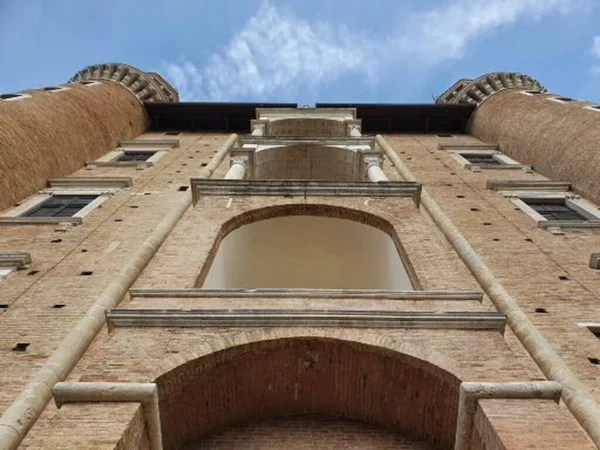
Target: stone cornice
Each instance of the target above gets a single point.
(475, 91)
(146, 86)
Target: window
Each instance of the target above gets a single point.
(132, 156)
(532, 92)
(484, 159)
(60, 206)
(481, 159)
(9, 97)
(53, 89)
(554, 209)
(562, 99)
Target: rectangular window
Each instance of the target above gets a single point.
(60, 206)
(481, 158)
(554, 209)
(141, 156)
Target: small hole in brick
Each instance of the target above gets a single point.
(118, 220)
(183, 188)
(449, 184)
(529, 239)
(495, 239)
(86, 273)
(460, 196)
(409, 159)
(178, 171)
(56, 241)
(169, 182)
(32, 272)
(59, 305)
(204, 164)
(184, 164)
(452, 173)
(4, 306)
(84, 250)
(517, 209)
(190, 157)
(487, 223)
(563, 277)
(475, 209)
(133, 206)
(20, 347)
(595, 361)
(541, 310)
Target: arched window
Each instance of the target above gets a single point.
(310, 252)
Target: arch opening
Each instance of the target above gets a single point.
(310, 249)
(308, 378)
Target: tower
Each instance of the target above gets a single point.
(187, 275)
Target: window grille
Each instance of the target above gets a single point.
(135, 156)
(556, 211)
(61, 206)
(481, 159)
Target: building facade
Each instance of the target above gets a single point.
(230, 276)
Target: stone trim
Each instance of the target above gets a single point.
(232, 318)
(478, 147)
(475, 92)
(302, 188)
(149, 143)
(506, 163)
(470, 393)
(147, 87)
(144, 393)
(528, 185)
(20, 259)
(306, 293)
(322, 141)
(91, 182)
(595, 260)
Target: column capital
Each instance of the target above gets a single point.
(353, 127)
(242, 160)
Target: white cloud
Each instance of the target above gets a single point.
(279, 54)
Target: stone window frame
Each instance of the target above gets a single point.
(16, 215)
(53, 89)
(595, 108)
(89, 83)
(505, 161)
(112, 158)
(573, 201)
(532, 93)
(9, 262)
(18, 96)
(562, 99)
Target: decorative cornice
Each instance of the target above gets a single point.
(230, 318)
(15, 259)
(474, 92)
(302, 188)
(146, 86)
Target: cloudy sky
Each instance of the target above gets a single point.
(393, 51)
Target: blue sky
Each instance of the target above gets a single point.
(306, 51)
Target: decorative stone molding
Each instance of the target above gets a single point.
(528, 185)
(483, 321)
(470, 393)
(371, 161)
(341, 294)
(91, 182)
(354, 127)
(474, 92)
(146, 86)
(241, 160)
(15, 259)
(144, 393)
(301, 188)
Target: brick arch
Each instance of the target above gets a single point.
(309, 375)
(309, 209)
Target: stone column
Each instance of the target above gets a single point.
(374, 172)
(237, 169)
(354, 130)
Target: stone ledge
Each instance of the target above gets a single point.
(171, 143)
(323, 141)
(482, 147)
(20, 259)
(95, 182)
(170, 318)
(569, 224)
(302, 188)
(39, 220)
(306, 293)
(528, 185)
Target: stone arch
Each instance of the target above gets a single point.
(308, 161)
(404, 389)
(310, 209)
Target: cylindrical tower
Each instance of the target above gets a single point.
(559, 136)
(51, 132)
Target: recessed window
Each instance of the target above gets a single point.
(89, 83)
(481, 159)
(562, 99)
(532, 92)
(52, 88)
(133, 156)
(554, 209)
(8, 97)
(60, 206)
